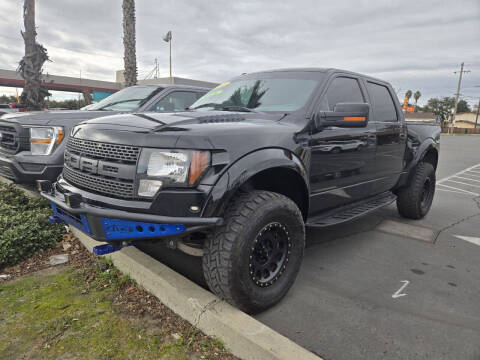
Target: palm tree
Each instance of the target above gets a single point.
(30, 67)
(408, 95)
(129, 44)
(416, 96)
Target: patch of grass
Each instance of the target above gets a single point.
(24, 226)
(49, 318)
(74, 314)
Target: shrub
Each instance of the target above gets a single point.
(24, 226)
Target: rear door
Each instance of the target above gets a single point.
(391, 135)
(342, 159)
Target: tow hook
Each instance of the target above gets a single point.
(110, 248)
(55, 219)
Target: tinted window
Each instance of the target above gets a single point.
(261, 94)
(342, 90)
(128, 99)
(176, 101)
(383, 106)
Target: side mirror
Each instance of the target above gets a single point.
(348, 115)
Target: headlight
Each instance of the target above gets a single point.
(169, 168)
(44, 139)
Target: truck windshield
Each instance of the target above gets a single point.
(128, 99)
(258, 94)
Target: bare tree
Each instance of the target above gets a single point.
(129, 43)
(30, 67)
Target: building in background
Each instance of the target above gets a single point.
(119, 78)
(467, 120)
(420, 116)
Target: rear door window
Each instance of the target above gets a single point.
(382, 103)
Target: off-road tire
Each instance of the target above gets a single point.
(412, 201)
(227, 259)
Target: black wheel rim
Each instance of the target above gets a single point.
(427, 194)
(269, 254)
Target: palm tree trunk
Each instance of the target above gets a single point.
(129, 43)
(30, 67)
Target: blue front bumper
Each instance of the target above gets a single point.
(104, 224)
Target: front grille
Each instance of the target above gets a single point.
(9, 138)
(96, 150)
(12, 141)
(99, 184)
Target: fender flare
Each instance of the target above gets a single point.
(422, 150)
(243, 169)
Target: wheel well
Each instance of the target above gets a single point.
(283, 181)
(431, 157)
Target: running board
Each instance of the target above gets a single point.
(351, 211)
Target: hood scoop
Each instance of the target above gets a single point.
(223, 118)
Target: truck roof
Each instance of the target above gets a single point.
(175, 86)
(321, 70)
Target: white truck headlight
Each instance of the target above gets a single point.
(169, 168)
(44, 139)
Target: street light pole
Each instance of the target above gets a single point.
(171, 78)
(168, 38)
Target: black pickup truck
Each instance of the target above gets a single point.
(32, 143)
(238, 177)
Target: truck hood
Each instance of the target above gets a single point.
(63, 117)
(191, 130)
(180, 121)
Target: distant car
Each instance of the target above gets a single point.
(32, 144)
(10, 108)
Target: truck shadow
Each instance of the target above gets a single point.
(191, 266)
(186, 265)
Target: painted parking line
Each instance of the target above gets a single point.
(463, 183)
(458, 190)
(464, 178)
(459, 180)
(470, 239)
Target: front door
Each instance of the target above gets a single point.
(342, 159)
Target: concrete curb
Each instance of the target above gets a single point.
(244, 336)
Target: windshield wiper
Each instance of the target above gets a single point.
(212, 105)
(118, 102)
(237, 108)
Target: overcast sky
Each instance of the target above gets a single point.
(415, 45)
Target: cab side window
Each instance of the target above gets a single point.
(175, 101)
(342, 90)
(383, 106)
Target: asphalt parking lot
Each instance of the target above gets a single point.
(383, 287)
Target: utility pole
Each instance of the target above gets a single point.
(156, 68)
(457, 95)
(476, 119)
